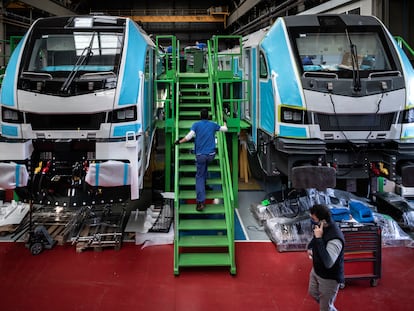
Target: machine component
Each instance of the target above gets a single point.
(98, 227)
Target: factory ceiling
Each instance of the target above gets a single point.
(190, 21)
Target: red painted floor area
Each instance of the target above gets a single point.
(143, 279)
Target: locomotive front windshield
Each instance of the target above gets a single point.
(71, 62)
(62, 52)
(343, 53)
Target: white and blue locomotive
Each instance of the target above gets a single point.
(77, 110)
(330, 90)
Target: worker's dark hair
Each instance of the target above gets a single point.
(321, 211)
(204, 114)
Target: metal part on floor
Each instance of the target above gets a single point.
(97, 228)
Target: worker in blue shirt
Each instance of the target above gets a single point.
(205, 151)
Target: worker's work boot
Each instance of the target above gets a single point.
(200, 206)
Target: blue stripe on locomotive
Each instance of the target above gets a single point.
(409, 76)
(292, 131)
(121, 130)
(282, 62)
(267, 111)
(135, 62)
(8, 87)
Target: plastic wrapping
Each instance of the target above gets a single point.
(13, 175)
(155, 238)
(392, 234)
(287, 221)
(273, 207)
(12, 213)
(290, 234)
(109, 174)
(399, 208)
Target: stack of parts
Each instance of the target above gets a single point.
(287, 221)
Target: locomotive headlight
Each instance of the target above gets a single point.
(297, 116)
(287, 116)
(11, 116)
(291, 115)
(408, 116)
(124, 115)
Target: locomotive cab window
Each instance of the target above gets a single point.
(263, 66)
(73, 61)
(56, 52)
(342, 52)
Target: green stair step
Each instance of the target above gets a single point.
(189, 113)
(192, 168)
(200, 81)
(189, 209)
(195, 90)
(195, 105)
(188, 181)
(187, 83)
(191, 194)
(187, 156)
(187, 104)
(203, 241)
(197, 97)
(186, 123)
(204, 259)
(202, 224)
(193, 74)
(186, 145)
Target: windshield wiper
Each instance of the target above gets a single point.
(355, 67)
(86, 53)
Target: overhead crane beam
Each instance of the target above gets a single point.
(179, 18)
(211, 15)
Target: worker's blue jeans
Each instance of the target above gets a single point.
(202, 161)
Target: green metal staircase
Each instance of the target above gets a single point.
(201, 239)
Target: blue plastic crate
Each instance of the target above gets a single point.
(361, 212)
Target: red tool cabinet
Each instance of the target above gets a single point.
(362, 257)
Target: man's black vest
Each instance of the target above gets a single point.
(336, 272)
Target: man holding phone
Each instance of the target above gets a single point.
(327, 252)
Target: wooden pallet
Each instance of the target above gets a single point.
(59, 233)
(7, 229)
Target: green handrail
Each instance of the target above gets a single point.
(176, 164)
(402, 43)
(228, 196)
(169, 57)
